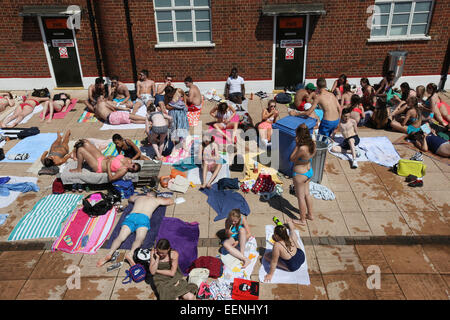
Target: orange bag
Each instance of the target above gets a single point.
(176, 172)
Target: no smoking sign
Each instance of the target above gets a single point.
(63, 53)
(289, 53)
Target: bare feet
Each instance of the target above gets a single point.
(309, 217)
(246, 263)
(301, 222)
(129, 259)
(49, 120)
(101, 262)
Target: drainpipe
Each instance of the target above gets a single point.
(130, 39)
(95, 39)
(445, 67)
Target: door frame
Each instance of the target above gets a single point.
(49, 59)
(274, 47)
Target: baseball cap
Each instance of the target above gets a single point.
(310, 86)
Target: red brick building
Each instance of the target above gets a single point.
(273, 43)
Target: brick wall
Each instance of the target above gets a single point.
(243, 38)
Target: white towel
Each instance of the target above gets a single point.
(37, 109)
(300, 276)
(195, 175)
(6, 201)
(141, 112)
(319, 191)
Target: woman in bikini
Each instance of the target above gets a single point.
(59, 103)
(223, 113)
(302, 155)
(357, 112)
(412, 121)
(116, 167)
(368, 99)
(6, 100)
(346, 96)
(128, 148)
(286, 254)
(338, 86)
(209, 156)
(26, 107)
(436, 105)
(269, 117)
(59, 151)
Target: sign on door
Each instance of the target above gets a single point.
(290, 53)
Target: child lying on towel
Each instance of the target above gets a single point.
(286, 254)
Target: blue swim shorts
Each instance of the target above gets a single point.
(135, 221)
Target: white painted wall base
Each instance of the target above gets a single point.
(250, 86)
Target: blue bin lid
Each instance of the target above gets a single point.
(290, 123)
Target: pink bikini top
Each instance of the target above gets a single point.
(116, 164)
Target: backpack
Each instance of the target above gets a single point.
(57, 186)
(283, 98)
(136, 273)
(142, 256)
(97, 204)
(264, 183)
(214, 265)
(124, 187)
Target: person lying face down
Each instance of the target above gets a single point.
(116, 167)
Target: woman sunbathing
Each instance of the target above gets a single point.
(59, 151)
(209, 156)
(286, 254)
(6, 99)
(223, 113)
(430, 142)
(59, 103)
(413, 118)
(438, 107)
(119, 165)
(26, 107)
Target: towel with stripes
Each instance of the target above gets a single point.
(46, 217)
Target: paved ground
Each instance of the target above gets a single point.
(376, 219)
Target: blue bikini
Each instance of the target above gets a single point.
(309, 173)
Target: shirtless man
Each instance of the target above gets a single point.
(330, 106)
(96, 93)
(159, 96)
(137, 221)
(349, 130)
(302, 96)
(119, 94)
(194, 98)
(59, 151)
(146, 90)
(115, 115)
(116, 167)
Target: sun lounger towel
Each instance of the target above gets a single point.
(112, 151)
(155, 223)
(233, 267)
(6, 201)
(375, 149)
(34, 146)
(61, 115)
(223, 201)
(300, 276)
(89, 177)
(141, 112)
(183, 237)
(46, 217)
(87, 117)
(85, 234)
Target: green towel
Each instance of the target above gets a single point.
(112, 151)
(46, 217)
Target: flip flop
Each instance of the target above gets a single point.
(114, 266)
(114, 256)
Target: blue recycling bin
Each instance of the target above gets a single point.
(286, 139)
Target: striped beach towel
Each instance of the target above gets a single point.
(87, 117)
(85, 234)
(46, 217)
(112, 151)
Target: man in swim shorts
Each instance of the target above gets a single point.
(146, 89)
(137, 221)
(114, 115)
(159, 96)
(194, 98)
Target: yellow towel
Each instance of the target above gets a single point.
(249, 174)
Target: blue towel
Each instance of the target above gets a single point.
(223, 201)
(4, 180)
(22, 187)
(34, 146)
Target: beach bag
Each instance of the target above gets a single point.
(57, 186)
(407, 167)
(124, 187)
(283, 98)
(179, 184)
(214, 265)
(96, 204)
(245, 290)
(136, 273)
(198, 275)
(264, 183)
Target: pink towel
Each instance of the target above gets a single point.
(61, 115)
